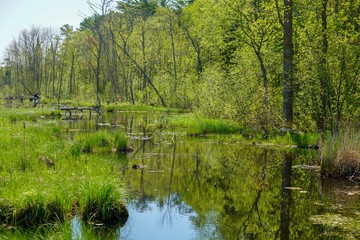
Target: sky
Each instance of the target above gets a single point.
(17, 15)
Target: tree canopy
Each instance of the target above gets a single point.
(224, 59)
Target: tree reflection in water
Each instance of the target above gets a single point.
(203, 188)
(286, 196)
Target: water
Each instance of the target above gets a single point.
(206, 188)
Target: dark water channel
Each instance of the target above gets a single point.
(206, 188)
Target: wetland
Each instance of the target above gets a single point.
(174, 185)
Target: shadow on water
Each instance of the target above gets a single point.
(203, 188)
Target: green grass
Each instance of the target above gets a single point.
(95, 140)
(299, 139)
(44, 174)
(27, 114)
(121, 141)
(100, 204)
(98, 141)
(140, 108)
(196, 125)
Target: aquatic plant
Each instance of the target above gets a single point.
(217, 126)
(306, 139)
(198, 125)
(90, 141)
(340, 154)
(102, 141)
(38, 213)
(303, 140)
(121, 141)
(101, 205)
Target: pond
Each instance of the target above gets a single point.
(184, 187)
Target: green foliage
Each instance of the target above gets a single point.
(221, 59)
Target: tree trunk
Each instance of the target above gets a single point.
(173, 49)
(324, 92)
(71, 73)
(288, 65)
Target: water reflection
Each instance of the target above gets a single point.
(203, 188)
(286, 196)
(155, 221)
(76, 229)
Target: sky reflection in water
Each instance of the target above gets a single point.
(158, 222)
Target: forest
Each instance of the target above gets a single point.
(266, 64)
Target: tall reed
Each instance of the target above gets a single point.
(340, 154)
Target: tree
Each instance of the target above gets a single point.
(139, 10)
(288, 64)
(120, 39)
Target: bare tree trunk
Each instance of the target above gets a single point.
(125, 51)
(143, 46)
(173, 49)
(288, 65)
(71, 77)
(324, 92)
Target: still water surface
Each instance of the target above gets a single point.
(206, 188)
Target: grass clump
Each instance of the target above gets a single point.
(340, 154)
(197, 125)
(305, 140)
(121, 142)
(101, 205)
(38, 213)
(88, 142)
(96, 141)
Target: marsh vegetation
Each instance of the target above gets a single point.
(247, 108)
(48, 175)
(73, 182)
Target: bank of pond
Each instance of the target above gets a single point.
(64, 179)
